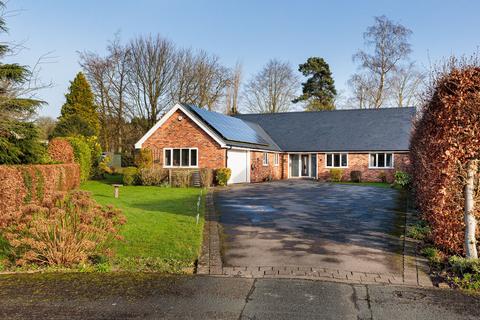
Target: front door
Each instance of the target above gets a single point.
(305, 165)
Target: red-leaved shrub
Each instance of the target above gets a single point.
(60, 150)
(65, 230)
(446, 137)
(32, 184)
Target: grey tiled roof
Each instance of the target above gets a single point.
(386, 129)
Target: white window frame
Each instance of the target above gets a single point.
(370, 166)
(180, 166)
(276, 159)
(333, 165)
(265, 159)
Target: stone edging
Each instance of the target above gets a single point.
(210, 261)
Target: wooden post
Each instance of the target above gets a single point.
(469, 217)
(116, 189)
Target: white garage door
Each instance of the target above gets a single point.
(239, 162)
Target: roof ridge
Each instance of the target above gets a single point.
(321, 111)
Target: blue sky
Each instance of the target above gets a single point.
(249, 31)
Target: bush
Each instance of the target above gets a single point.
(144, 159)
(461, 265)
(83, 156)
(130, 176)
(222, 176)
(206, 177)
(402, 179)
(104, 168)
(152, 176)
(433, 255)
(60, 150)
(418, 231)
(181, 178)
(64, 231)
(356, 176)
(444, 140)
(336, 175)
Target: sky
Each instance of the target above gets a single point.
(251, 32)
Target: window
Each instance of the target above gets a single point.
(336, 160)
(186, 157)
(381, 160)
(265, 159)
(276, 160)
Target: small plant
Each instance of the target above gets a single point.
(65, 231)
(382, 176)
(336, 175)
(432, 254)
(222, 176)
(418, 231)
(206, 177)
(181, 178)
(402, 179)
(130, 176)
(152, 176)
(356, 176)
(144, 159)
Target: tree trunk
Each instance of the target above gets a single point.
(470, 221)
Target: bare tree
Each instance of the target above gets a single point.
(233, 90)
(200, 79)
(362, 93)
(389, 41)
(272, 89)
(151, 72)
(405, 85)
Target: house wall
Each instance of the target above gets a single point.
(359, 162)
(185, 134)
(259, 172)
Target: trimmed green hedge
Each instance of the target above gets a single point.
(83, 156)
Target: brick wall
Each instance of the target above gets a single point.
(359, 162)
(186, 134)
(260, 173)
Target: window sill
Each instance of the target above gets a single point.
(172, 167)
(336, 167)
(384, 168)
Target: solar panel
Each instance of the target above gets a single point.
(230, 128)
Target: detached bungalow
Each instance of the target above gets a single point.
(259, 147)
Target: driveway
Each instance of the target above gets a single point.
(306, 223)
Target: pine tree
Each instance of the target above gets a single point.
(19, 141)
(319, 91)
(79, 113)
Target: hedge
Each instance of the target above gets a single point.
(446, 137)
(60, 150)
(83, 156)
(31, 184)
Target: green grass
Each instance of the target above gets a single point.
(161, 222)
(367, 184)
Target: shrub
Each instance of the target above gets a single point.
(144, 159)
(356, 176)
(130, 176)
(402, 179)
(83, 156)
(152, 176)
(461, 265)
(64, 231)
(60, 150)
(206, 177)
(336, 175)
(222, 175)
(181, 178)
(433, 255)
(104, 168)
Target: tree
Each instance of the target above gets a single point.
(79, 113)
(405, 84)
(319, 90)
(19, 141)
(390, 47)
(46, 125)
(272, 89)
(233, 91)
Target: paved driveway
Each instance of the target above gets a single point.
(306, 223)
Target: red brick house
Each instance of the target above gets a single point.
(259, 147)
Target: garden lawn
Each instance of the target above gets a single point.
(161, 222)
